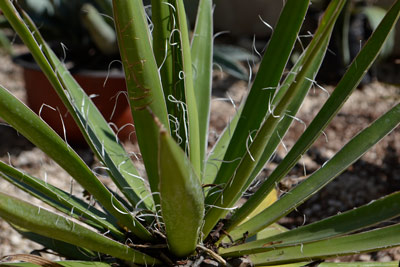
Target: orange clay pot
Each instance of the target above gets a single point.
(41, 96)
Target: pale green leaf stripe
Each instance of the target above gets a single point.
(353, 150)
(269, 75)
(22, 119)
(202, 60)
(95, 129)
(240, 179)
(345, 87)
(354, 244)
(182, 199)
(165, 54)
(59, 199)
(375, 212)
(46, 223)
(191, 103)
(62, 263)
(145, 92)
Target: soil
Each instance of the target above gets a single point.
(376, 174)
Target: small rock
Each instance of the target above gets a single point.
(365, 257)
(386, 258)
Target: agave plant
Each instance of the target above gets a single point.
(184, 210)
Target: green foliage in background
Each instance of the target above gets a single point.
(178, 212)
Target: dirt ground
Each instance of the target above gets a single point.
(375, 175)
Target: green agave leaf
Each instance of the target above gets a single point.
(167, 50)
(161, 18)
(95, 129)
(269, 75)
(354, 244)
(345, 87)
(326, 26)
(22, 119)
(296, 92)
(64, 249)
(182, 199)
(375, 212)
(59, 199)
(46, 223)
(143, 82)
(285, 122)
(202, 60)
(216, 156)
(107, 147)
(353, 150)
(190, 95)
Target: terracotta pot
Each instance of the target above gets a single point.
(41, 95)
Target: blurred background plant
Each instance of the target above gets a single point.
(357, 22)
(85, 28)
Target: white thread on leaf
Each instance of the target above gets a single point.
(319, 86)
(219, 34)
(63, 127)
(326, 136)
(47, 106)
(171, 35)
(298, 120)
(221, 208)
(134, 175)
(170, 5)
(255, 48)
(64, 49)
(271, 108)
(116, 101)
(281, 140)
(250, 74)
(248, 146)
(115, 207)
(165, 56)
(109, 70)
(265, 23)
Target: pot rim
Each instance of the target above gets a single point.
(26, 61)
